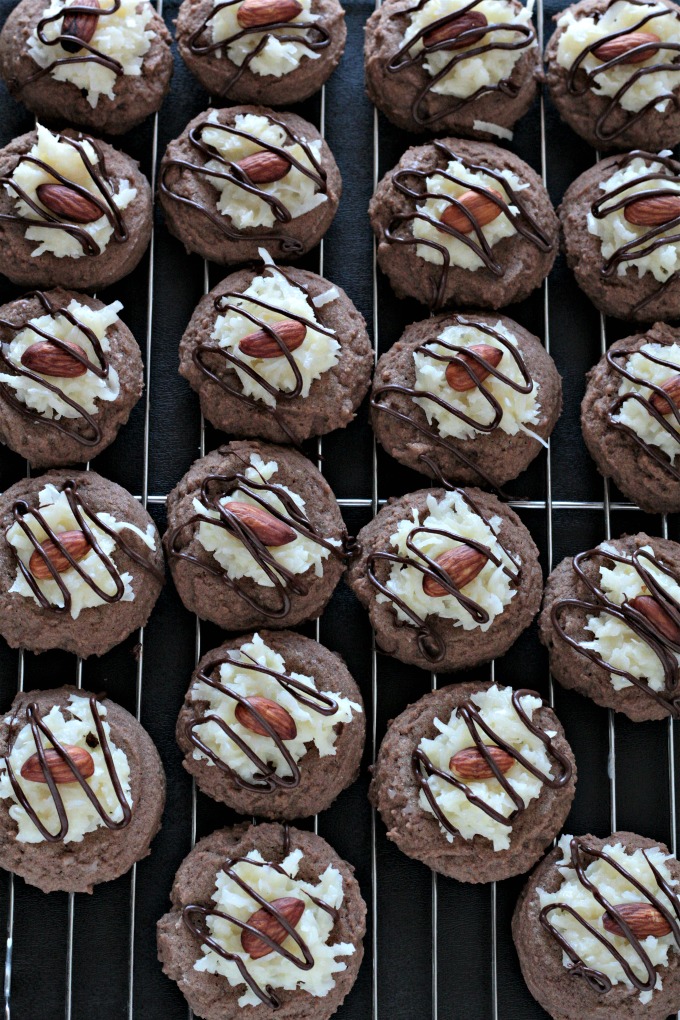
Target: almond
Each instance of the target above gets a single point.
(462, 565)
(48, 358)
(32, 770)
(74, 542)
(68, 204)
(672, 388)
(263, 921)
(276, 715)
(470, 763)
(81, 26)
(623, 44)
(269, 529)
(477, 209)
(253, 13)
(264, 167)
(455, 28)
(653, 212)
(261, 345)
(657, 616)
(643, 919)
(456, 376)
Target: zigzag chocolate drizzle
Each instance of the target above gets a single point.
(92, 54)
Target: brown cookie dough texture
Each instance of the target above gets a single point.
(563, 994)
(333, 397)
(103, 854)
(50, 442)
(189, 200)
(205, 589)
(135, 96)
(643, 473)
(220, 76)
(488, 457)
(25, 624)
(462, 649)
(406, 97)
(210, 995)
(395, 793)
(321, 778)
(520, 263)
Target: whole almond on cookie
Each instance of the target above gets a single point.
(68, 204)
(456, 376)
(622, 46)
(261, 345)
(672, 388)
(263, 921)
(454, 29)
(643, 919)
(253, 13)
(276, 715)
(264, 167)
(269, 529)
(477, 210)
(48, 358)
(652, 212)
(75, 543)
(81, 26)
(462, 565)
(470, 763)
(32, 770)
(657, 616)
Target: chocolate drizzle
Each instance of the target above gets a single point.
(91, 54)
(39, 730)
(523, 222)
(409, 55)
(664, 648)
(599, 982)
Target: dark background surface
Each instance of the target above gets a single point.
(419, 970)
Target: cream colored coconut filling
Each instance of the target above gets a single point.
(485, 70)
(491, 589)
(295, 191)
(122, 35)
(81, 814)
(86, 390)
(462, 256)
(614, 231)
(496, 709)
(315, 926)
(613, 640)
(316, 355)
(313, 729)
(277, 57)
(54, 507)
(632, 413)
(577, 33)
(66, 160)
(298, 556)
(519, 409)
(617, 890)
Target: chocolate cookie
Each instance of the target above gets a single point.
(464, 68)
(70, 373)
(81, 564)
(611, 80)
(278, 353)
(611, 622)
(471, 398)
(596, 929)
(474, 780)
(619, 221)
(240, 179)
(259, 51)
(272, 725)
(450, 578)
(74, 212)
(106, 71)
(630, 417)
(255, 537)
(82, 789)
(252, 879)
(448, 236)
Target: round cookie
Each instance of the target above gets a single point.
(114, 80)
(92, 217)
(246, 177)
(611, 622)
(437, 793)
(315, 372)
(431, 67)
(252, 566)
(81, 564)
(608, 80)
(583, 918)
(66, 838)
(469, 244)
(456, 587)
(291, 863)
(630, 428)
(54, 409)
(246, 54)
(628, 265)
(300, 690)
(446, 413)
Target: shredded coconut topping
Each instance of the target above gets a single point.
(632, 413)
(278, 56)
